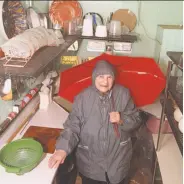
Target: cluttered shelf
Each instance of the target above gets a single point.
(174, 126)
(40, 60)
(44, 56)
(178, 97)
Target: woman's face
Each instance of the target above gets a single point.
(104, 83)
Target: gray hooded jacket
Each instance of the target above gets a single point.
(88, 128)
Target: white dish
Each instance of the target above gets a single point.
(35, 19)
(180, 124)
(177, 114)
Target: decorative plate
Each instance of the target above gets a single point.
(62, 11)
(14, 18)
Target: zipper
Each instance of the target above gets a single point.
(83, 147)
(104, 129)
(124, 142)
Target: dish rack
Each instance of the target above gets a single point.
(170, 95)
(14, 62)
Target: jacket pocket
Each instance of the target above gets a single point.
(82, 158)
(125, 155)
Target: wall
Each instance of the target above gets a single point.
(152, 14)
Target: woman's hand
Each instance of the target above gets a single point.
(115, 117)
(57, 158)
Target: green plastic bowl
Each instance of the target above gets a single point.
(21, 156)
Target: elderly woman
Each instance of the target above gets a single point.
(99, 126)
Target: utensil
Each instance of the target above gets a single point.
(87, 29)
(70, 27)
(21, 156)
(125, 29)
(101, 31)
(115, 28)
(97, 19)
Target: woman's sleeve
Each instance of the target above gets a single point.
(69, 138)
(130, 115)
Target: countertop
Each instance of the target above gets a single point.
(53, 117)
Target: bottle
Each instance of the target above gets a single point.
(28, 97)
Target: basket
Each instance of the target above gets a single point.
(21, 156)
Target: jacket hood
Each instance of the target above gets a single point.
(103, 68)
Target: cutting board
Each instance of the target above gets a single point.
(45, 135)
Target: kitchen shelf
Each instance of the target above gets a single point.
(46, 55)
(123, 38)
(169, 110)
(167, 107)
(39, 61)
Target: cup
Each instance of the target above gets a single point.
(101, 31)
(70, 27)
(87, 29)
(115, 28)
(124, 30)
